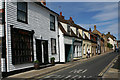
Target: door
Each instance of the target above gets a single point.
(39, 50)
(45, 51)
(67, 52)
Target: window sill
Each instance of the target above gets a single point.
(52, 29)
(22, 21)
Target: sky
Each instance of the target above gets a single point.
(87, 14)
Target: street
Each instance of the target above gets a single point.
(87, 69)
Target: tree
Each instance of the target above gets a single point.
(109, 45)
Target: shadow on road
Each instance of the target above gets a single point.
(117, 64)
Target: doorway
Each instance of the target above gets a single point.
(67, 52)
(42, 51)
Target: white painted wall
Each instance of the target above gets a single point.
(73, 28)
(39, 21)
(1, 30)
(62, 46)
(64, 26)
(111, 42)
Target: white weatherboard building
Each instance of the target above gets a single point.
(69, 40)
(31, 34)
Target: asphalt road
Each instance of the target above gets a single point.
(87, 69)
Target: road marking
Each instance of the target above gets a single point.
(89, 77)
(106, 68)
(55, 72)
(74, 76)
(84, 76)
(78, 71)
(84, 71)
(79, 76)
(68, 76)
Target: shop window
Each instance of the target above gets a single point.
(21, 46)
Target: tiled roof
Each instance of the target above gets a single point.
(111, 36)
(70, 22)
(39, 3)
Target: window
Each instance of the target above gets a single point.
(89, 35)
(21, 46)
(53, 46)
(22, 12)
(83, 34)
(77, 31)
(52, 22)
(68, 29)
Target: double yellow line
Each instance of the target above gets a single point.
(106, 68)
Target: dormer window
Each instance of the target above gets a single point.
(77, 31)
(68, 29)
(89, 36)
(83, 34)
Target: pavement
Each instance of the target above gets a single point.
(34, 74)
(113, 71)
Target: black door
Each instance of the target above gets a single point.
(39, 50)
(42, 51)
(67, 51)
(45, 51)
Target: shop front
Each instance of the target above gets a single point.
(21, 46)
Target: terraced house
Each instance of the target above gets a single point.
(70, 39)
(100, 41)
(31, 33)
(112, 40)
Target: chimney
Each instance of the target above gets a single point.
(70, 18)
(43, 2)
(60, 13)
(94, 27)
(90, 29)
(108, 32)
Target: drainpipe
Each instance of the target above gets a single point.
(72, 54)
(58, 42)
(6, 33)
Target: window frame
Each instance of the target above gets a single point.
(52, 46)
(21, 53)
(77, 32)
(68, 29)
(52, 22)
(26, 13)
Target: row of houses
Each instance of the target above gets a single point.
(31, 31)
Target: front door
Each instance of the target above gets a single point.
(67, 52)
(45, 51)
(39, 50)
(42, 51)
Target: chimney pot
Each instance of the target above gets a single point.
(90, 29)
(70, 18)
(43, 2)
(95, 27)
(60, 13)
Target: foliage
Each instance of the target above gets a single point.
(36, 61)
(52, 58)
(109, 45)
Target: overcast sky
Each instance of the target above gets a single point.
(86, 14)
